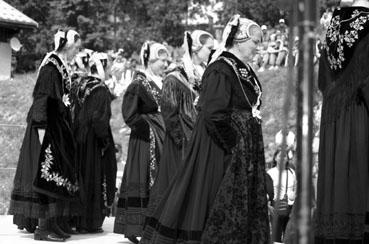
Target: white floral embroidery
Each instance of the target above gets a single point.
(104, 191)
(66, 100)
(63, 72)
(153, 163)
(86, 88)
(53, 176)
(152, 90)
(337, 40)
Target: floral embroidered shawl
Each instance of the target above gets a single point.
(348, 26)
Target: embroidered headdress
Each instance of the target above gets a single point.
(192, 43)
(152, 51)
(61, 39)
(98, 63)
(81, 60)
(65, 39)
(237, 30)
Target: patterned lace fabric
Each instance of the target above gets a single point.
(87, 85)
(153, 164)
(239, 213)
(347, 27)
(340, 226)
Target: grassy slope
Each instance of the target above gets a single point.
(15, 99)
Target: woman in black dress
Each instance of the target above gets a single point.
(46, 180)
(95, 147)
(141, 112)
(343, 179)
(180, 91)
(219, 194)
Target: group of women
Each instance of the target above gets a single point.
(195, 170)
(67, 167)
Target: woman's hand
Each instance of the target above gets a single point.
(270, 209)
(41, 135)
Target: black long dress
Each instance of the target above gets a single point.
(342, 214)
(219, 194)
(179, 113)
(142, 114)
(96, 153)
(46, 178)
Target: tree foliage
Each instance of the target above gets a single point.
(263, 12)
(113, 24)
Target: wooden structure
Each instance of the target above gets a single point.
(11, 22)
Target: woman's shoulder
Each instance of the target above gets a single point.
(139, 84)
(54, 62)
(138, 78)
(175, 76)
(219, 66)
(49, 74)
(49, 68)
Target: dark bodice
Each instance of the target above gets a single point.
(95, 111)
(141, 97)
(340, 88)
(177, 106)
(222, 94)
(49, 89)
(223, 71)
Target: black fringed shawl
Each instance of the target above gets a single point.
(177, 105)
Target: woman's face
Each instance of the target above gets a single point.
(204, 52)
(159, 65)
(107, 69)
(248, 48)
(74, 49)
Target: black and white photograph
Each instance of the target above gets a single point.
(184, 121)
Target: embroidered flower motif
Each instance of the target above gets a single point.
(104, 192)
(153, 163)
(66, 100)
(63, 72)
(151, 90)
(54, 176)
(66, 79)
(338, 42)
(256, 113)
(355, 13)
(196, 101)
(86, 88)
(244, 73)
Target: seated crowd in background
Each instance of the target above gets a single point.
(273, 52)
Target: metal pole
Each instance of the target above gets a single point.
(307, 12)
